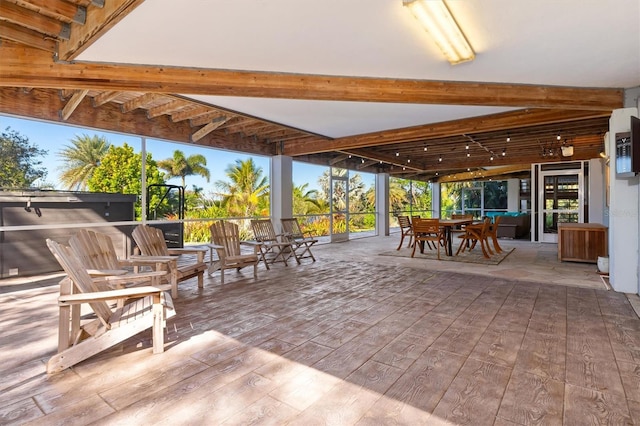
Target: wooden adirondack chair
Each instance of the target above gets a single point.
(97, 253)
(301, 241)
(226, 239)
(78, 341)
(272, 247)
(150, 242)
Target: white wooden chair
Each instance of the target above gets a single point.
(79, 340)
(226, 239)
(272, 247)
(150, 242)
(98, 254)
(301, 241)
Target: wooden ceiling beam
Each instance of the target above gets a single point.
(139, 102)
(167, 108)
(465, 176)
(213, 115)
(57, 9)
(208, 128)
(488, 123)
(19, 34)
(105, 97)
(73, 103)
(386, 159)
(98, 21)
(44, 104)
(26, 68)
(34, 21)
(190, 113)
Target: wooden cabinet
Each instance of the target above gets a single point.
(582, 242)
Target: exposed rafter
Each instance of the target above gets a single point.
(73, 103)
(205, 130)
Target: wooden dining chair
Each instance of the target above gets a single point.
(473, 234)
(405, 230)
(427, 231)
(492, 233)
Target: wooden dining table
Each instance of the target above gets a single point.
(447, 225)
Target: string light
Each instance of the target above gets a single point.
(362, 160)
(397, 154)
(508, 138)
(425, 148)
(440, 158)
(558, 137)
(491, 158)
(504, 151)
(408, 160)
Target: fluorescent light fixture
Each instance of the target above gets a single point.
(435, 17)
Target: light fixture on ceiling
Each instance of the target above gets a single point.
(440, 158)
(504, 152)
(425, 148)
(567, 150)
(437, 20)
(508, 138)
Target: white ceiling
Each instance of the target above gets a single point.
(584, 43)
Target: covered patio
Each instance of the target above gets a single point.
(354, 338)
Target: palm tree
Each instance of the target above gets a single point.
(181, 166)
(247, 190)
(305, 200)
(81, 159)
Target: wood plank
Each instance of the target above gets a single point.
(348, 401)
(499, 346)
(28, 69)
(265, 411)
(417, 392)
(542, 354)
(532, 400)
(402, 351)
(475, 394)
(585, 406)
(593, 373)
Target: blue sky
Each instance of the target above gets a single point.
(54, 137)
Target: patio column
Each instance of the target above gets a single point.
(436, 198)
(382, 204)
(281, 188)
(513, 195)
(623, 214)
